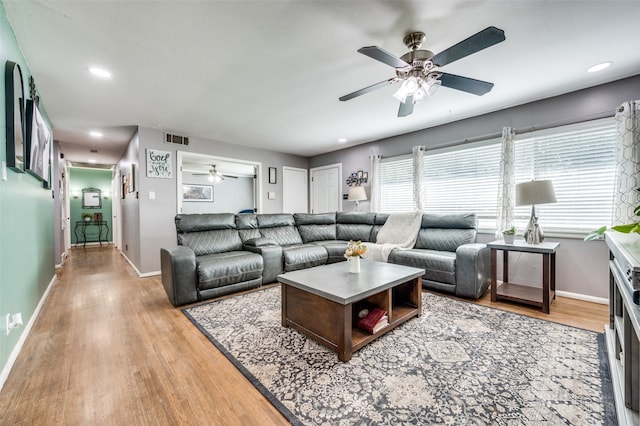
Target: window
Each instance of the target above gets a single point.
(463, 180)
(579, 159)
(396, 184)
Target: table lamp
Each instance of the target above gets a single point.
(357, 194)
(532, 193)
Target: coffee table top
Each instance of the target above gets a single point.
(334, 282)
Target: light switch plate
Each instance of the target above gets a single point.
(152, 195)
(271, 195)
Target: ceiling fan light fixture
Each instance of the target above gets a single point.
(408, 88)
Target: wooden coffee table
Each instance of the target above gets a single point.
(322, 302)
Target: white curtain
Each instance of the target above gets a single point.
(626, 198)
(506, 189)
(374, 179)
(418, 172)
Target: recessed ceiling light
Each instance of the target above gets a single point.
(342, 140)
(599, 67)
(92, 161)
(95, 134)
(99, 72)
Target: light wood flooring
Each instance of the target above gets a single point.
(109, 348)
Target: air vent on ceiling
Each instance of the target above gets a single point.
(177, 139)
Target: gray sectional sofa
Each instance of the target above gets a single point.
(218, 254)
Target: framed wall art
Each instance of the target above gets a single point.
(273, 175)
(38, 143)
(201, 193)
(14, 114)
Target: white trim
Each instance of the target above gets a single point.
(130, 263)
(585, 297)
(149, 274)
(23, 337)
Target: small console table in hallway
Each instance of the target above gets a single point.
(529, 295)
(91, 229)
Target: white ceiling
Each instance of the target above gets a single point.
(268, 74)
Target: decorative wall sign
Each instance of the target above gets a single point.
(358, 178)
(159, 164)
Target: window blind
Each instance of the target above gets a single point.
(396, 184)
(580, 160)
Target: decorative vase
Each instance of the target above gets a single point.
(354, 265)
(509, 238)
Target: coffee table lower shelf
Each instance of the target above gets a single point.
(331, 324)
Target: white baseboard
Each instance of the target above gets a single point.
(23, 337)
(140, 274)
(586, 298)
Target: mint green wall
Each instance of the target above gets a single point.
(26, 221)
(80, 178)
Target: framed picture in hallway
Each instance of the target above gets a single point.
(202, 193)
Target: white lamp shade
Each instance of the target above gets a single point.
(535, 192)
(357, 193)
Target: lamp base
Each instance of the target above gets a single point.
(533, 233)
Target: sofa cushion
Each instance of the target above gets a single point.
(247, 226)
(303, 256)
(335, 249)
(315, 218)
(316, 226)
(217, 270)
(355, 226)
(446, 232)
(204, 222)
(210, 242)
(438, 265)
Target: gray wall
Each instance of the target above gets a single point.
(130, 206)
(582, 267)
(156, 225)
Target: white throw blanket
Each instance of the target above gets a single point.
(399, 231)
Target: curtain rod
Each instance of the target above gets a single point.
(545, 126)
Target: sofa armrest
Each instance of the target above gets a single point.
(473, 270)
(179, 276)
(260, 242)
(272, 259)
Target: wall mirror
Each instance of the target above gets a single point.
(14, 107)
(91, 198)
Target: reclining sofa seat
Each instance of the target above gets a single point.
(333, 231)
(209, 260)
(446, 249)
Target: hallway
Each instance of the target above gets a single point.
(108, 348)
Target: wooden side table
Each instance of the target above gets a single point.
(529, 295)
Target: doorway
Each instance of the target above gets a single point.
(294, 190)
(210, 184)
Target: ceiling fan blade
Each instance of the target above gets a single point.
(406, 107)
(368, 89)
(465, 84)
(374, 52)
(485, 38)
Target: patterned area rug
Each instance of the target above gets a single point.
(458, 364)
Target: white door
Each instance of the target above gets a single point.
(294, 190)
(325, 189)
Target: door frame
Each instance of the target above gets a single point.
(257, 181)
(311, 183)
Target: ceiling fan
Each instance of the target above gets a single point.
(214, 175)
(418, 70)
